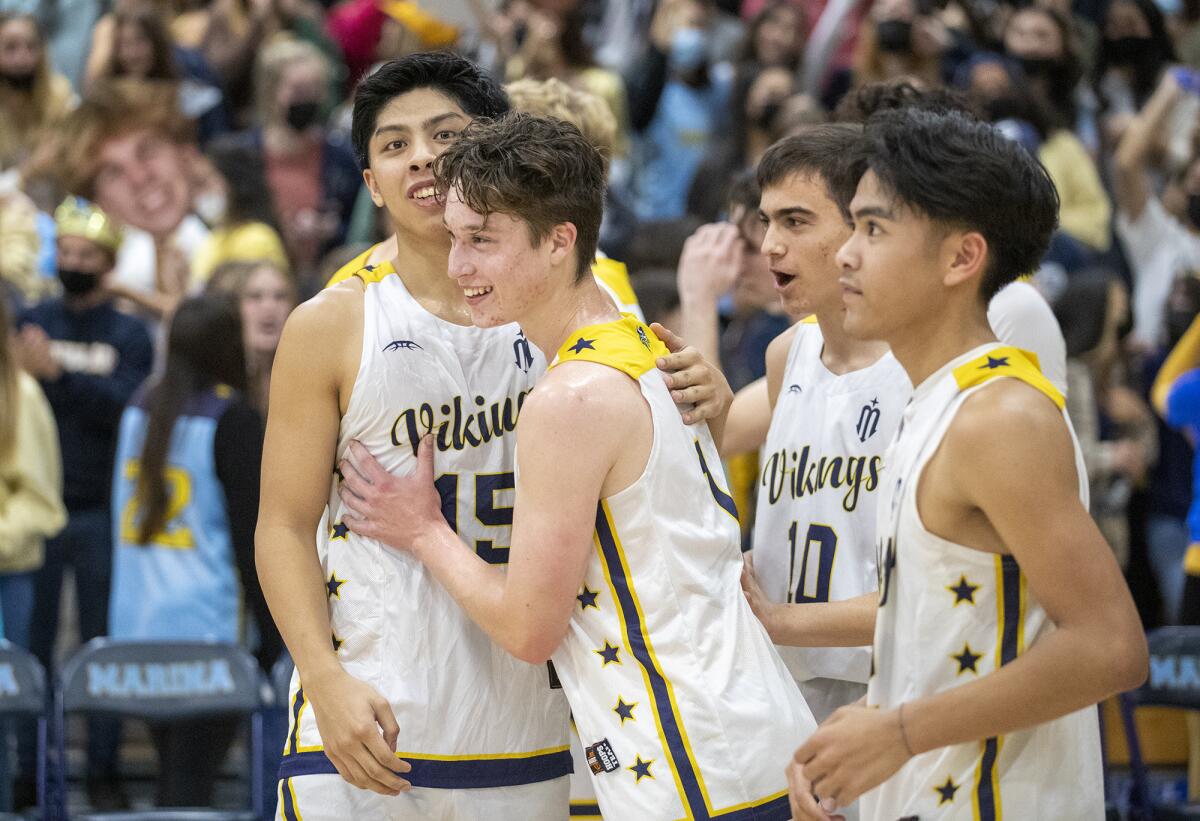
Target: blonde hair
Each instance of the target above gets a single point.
(582, 109)
(274, 60)
(10, 394)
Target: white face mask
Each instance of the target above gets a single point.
(210, 206)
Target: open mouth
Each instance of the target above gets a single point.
(782, 280)
(474, 295)
(425, 196)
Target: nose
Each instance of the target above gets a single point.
(458, 266)
(847, 257)
(771, 245)
(423, 154)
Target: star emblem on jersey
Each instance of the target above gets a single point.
(588, 598)
(994, 362)
(641, 769)
(625, 711)
(339, 531)
(333, 587)
(964, 591)
(946, 791)
(967, 660)
(581, 344)
(337, 643)
(610, 654)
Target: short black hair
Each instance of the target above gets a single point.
(825, 151)
(458, 78)
(891, 95)
(961, 172)
(541, 170)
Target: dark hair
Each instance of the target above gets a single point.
(204, 349)
(749, 49)
(242, 169)
(459, 79)
(960, 172)
(1082, 309)
(824, 151)
(541, 170)
(1161, 53)
(744, 192)
(891, 95)
(147, 18)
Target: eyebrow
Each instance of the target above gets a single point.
(790, 211)
(873, 211)
(430, 123)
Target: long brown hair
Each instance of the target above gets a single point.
(150, 22)
(9, 390)
(204, 349)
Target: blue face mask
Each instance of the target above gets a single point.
(689, 50)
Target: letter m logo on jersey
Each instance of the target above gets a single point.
(868, 420)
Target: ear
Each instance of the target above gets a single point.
(373, 187)
(969, 252)
(562, 242)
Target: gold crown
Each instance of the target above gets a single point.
(432, 32)
(77, 217)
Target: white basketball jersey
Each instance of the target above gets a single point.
(683, 706)
(470, 714)
(822, 465)
(948, 615)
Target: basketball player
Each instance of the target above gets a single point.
(381, 652)
(836, 404)
(986, 664)
(625, 549)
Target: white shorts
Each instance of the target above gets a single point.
(824, 695)
(329, 798)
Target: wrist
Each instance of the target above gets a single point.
(315, 673)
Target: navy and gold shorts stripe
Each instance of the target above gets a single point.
(451, 773)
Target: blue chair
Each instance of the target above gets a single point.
(23, 695)
(1174, 682)
(164, 681)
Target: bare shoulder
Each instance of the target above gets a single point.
(777, 355)
(578, 394)
(322, 338)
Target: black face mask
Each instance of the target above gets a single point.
(894, 36)
(766, 117)
(77, 283)
(1128, 50)
(1177, 324)
(303, 114)
(19, 82)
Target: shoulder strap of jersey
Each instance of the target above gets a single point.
(811, 319)
(1007, 361)
(615, 275)
(350, 268)
(371, 274)
(627, 345)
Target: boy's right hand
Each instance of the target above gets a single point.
(359, 731)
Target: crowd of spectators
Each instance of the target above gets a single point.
(175, 175)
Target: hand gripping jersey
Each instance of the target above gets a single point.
(822, 466)
(184, 583)
(470, 714)
(948, 615)
(682, 704)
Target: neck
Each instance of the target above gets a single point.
(939, 336)
(841, 353)
(85, 302)
(571, 308)
(282, 138)
(421, 262)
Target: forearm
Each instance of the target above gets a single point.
(700, 325)
(294, 586)
(748, 420)
(1130, 184)
(847, 623)
(1066, 671)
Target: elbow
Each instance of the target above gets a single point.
(533, 647)
(1129, 661)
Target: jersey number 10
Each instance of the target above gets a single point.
(816, 564)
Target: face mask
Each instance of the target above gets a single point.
(77, 283)
(211, 207)
(1177, 324)
(1194, 210)
(689, 50)
(766, 117)
(1126, 50)
(19, 82)
(303, 114)
(894, 36)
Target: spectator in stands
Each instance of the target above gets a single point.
(265, 295)
(31, 504)
(131, 152)
(189, 455)
(140, 48)
(678, 101)
(898, 41)
(235, 203)
(310, 170)
(33, 97)
(1134, 52)
(1161, 234)
(89, 359)
(1040, 39)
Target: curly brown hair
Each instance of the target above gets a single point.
(541, 170)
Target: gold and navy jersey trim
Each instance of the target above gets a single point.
(1007, 361)
(627, 345)
(689, 782)
(452, 772)
(615, 275)
(351, 268)
(585, 809)
(287, 801)
(1010, 625)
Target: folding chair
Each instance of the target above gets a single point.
(165, 681)
(23, 695)
(1174, 682)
